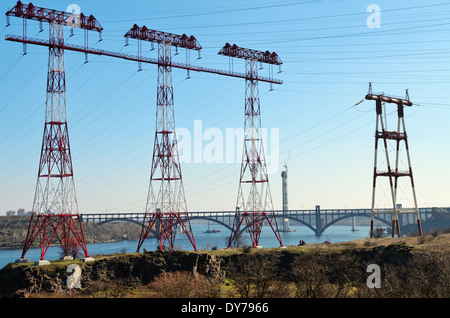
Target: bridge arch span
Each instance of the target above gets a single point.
(334, 221)
(192, 218)
(387, 222)
(303, 222)
(119, 220)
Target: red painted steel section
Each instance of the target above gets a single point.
(145, 34)
(243, 53)
(32, 12)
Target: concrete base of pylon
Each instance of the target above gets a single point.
(22, 260)
(42, 262)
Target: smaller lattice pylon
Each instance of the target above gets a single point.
(392, 172)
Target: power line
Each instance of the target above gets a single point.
(315, 18)
(222, 11)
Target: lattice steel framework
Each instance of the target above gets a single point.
(166, 208)
(49, 224)
(55, 211)
(254, 202)
(393, 174)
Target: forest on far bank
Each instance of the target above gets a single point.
(13, 231)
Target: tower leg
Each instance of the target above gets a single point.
(371, 227)
(419, 226)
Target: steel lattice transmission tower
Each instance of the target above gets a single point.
(55, 189)
(166, 208)
(254, 202)
(393, 173)
(55, 212)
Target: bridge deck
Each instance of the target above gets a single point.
(317, 219)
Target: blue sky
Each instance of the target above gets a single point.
(329, 53)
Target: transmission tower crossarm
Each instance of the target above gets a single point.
(131, 57)
(250, 54)
(146, 34)
(32, 12)
(389, 99)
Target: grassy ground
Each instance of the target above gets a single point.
(418, 243)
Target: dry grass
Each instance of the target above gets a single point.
(427, 241)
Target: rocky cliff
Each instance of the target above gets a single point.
(22, 280)
(289, 264)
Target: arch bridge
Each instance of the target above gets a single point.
(318, 220)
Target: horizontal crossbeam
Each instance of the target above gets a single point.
(130, 57)
(145, 34)
(389, 99)
(249, 54)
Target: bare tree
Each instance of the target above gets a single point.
(309, 273)
(70, 248)
(239, 240)
(255, 276)
(181, 284)
(379, 232)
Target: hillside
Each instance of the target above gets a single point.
(410, 267)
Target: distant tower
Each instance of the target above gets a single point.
(254, 203)
(284, 175)
(166, 208)
(354, 229)
(392, 173)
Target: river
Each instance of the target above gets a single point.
(204, 241)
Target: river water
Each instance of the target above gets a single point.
(204, 241)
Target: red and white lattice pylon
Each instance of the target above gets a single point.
(254, 203)
(166, 209)
(55, 211)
